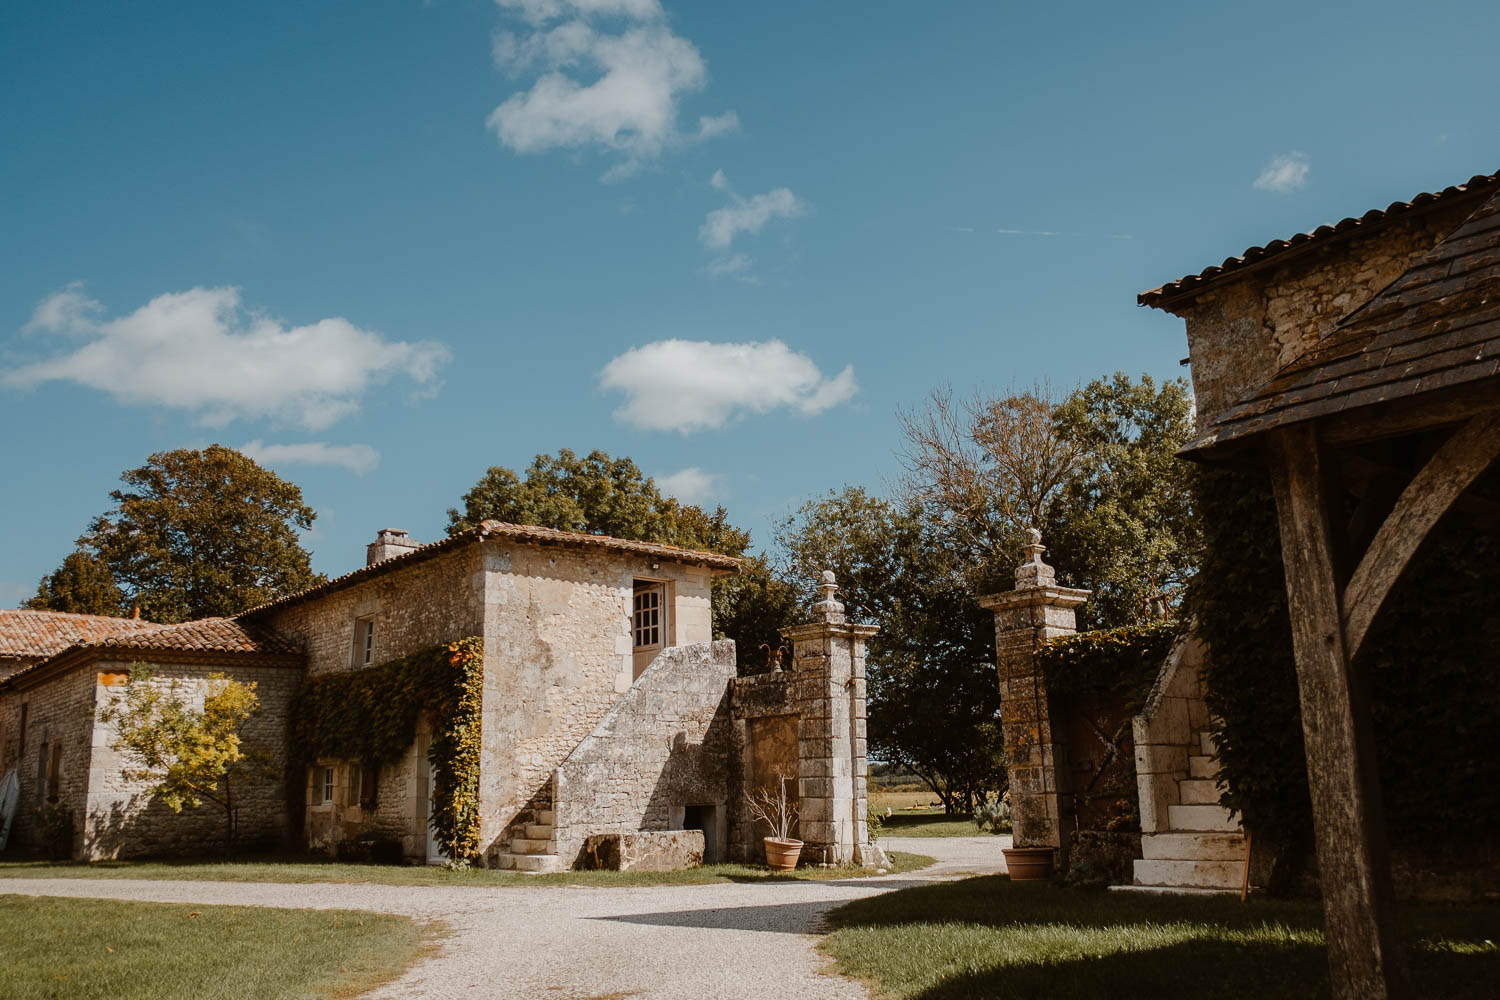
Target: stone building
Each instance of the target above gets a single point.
(606, 710)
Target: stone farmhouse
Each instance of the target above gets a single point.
(608, 711)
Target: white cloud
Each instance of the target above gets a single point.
(1287, 172)
(719, 182)
(201, 352)
(743, 215)
(694, 486)
(616, 90)
(735, 266)
(357, 458)
(690, 385)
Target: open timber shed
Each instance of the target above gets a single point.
(1385, 417)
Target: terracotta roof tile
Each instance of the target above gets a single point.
(25, 633)
(1477, 184)
(520, 533)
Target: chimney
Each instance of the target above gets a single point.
(388, 544)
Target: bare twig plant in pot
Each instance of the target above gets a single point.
(769, 805)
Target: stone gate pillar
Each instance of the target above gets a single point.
(1037, 610)
(828, 677)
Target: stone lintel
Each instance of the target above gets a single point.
(818, 629)
(1051, 596)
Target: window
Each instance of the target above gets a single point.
(369, 785)
(326, 787)
(364, 641)
(647, 616)
(25, 710)
(54, 771)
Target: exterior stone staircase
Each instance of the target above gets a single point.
(1203, 847)
(531, 840)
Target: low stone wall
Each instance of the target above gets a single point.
(662, 750)
(647, 851)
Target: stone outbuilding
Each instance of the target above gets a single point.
(606, 707)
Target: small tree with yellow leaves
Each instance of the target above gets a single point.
(187, 755)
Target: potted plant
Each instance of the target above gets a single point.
(771, 807)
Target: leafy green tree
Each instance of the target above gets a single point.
(1123, 525)
(186, 755)
(751, 609)
(933, 695)
(196, 534)
(82, 585)
(596, 495)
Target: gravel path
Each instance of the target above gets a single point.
(736, 940)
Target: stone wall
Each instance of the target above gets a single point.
(663, 746)
(57, 711)
(414, 606)
(558, 657)
(402, 803)
(1242, 329)
(764, 708)
(124, 821)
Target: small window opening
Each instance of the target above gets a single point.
(364, 642)
(54, 772)
(646, 621)
(369, 785)
(25, 711)
(327, 786)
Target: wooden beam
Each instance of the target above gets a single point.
(1453, 467)
(1364, 956)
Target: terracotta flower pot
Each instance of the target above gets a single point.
(782, 855)
(1028, 864)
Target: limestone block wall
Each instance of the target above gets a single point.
(663, 746)
(123, 820)
(1241, 331)
(59, 712)
(765, 722)
(1173, 713)
(558, 656)
(430, 601)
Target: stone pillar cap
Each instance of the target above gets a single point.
(829, 608)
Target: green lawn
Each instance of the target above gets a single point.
(928, 823)
(80, 949)
(315, 870)
(988, 937)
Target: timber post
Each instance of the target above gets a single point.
(1035, 611)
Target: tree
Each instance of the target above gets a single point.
(596, 495)
(752, 608)
(933, 697)
(187, 755)
(82, 585)
(1096, 473)
(198, 534)
(1124, 524)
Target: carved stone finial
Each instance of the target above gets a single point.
(828, 608)
(1033, 572)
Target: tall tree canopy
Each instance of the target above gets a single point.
(197, 534)
(933, 698)
(596, 495)
(1095, 472)
(82, 585)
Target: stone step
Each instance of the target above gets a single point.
(546, 817)
(1190, 817)
(1202, 767)
(1198, 792)
(1206, 741)
(524, 845)
(1196, 874)
(533, 863)
(1193, 846)
(538, 831)
(1173, 890)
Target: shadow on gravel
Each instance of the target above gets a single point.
(784, 918)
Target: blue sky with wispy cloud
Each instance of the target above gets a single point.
(383, 246)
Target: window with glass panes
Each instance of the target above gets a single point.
(647, 623)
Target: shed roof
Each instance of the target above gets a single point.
(26, 634)
(527, 533)
(1435, 327)
(1477, 186)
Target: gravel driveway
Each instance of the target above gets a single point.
(736, 940)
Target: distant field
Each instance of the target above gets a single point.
(912, 816)
(902, 801)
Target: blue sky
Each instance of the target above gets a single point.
(387, 245)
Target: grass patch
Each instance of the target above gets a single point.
(929, 823)
(313, 869)
(988, 937)
(81, 949)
